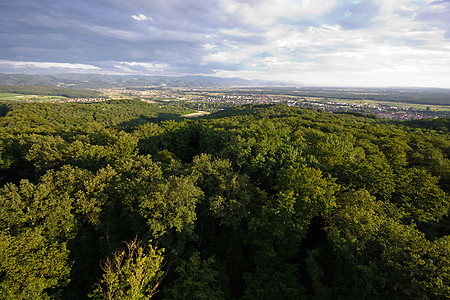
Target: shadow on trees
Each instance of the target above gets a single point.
(439, 124)
(142, 119)
(4, 109)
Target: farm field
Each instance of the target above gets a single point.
(34, 98)
(396, 104)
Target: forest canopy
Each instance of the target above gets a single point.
(126, 200)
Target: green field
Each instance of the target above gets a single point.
(397, 104)
(29, 98)
(9, 96)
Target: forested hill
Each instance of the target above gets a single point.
(254, 202)
(48, 91)
(57, 117)
(96, 81)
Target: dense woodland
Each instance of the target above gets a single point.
(115, 201)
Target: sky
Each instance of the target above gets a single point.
(319, 43)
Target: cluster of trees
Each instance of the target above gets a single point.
(58, 117)
(49, 91)
(207, 106)
(253, 202)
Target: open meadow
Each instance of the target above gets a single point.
(29, 98)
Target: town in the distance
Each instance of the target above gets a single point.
(209, 94)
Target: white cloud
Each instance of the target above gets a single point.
(46, 65)
(209, 46)
(269, 12)
(144, 68)
(127, 35)
(141, 17)
(149, 66)
(399, 51)
(236, 32)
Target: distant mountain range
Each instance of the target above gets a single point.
(96, 81)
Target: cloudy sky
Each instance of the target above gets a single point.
(315, 42)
